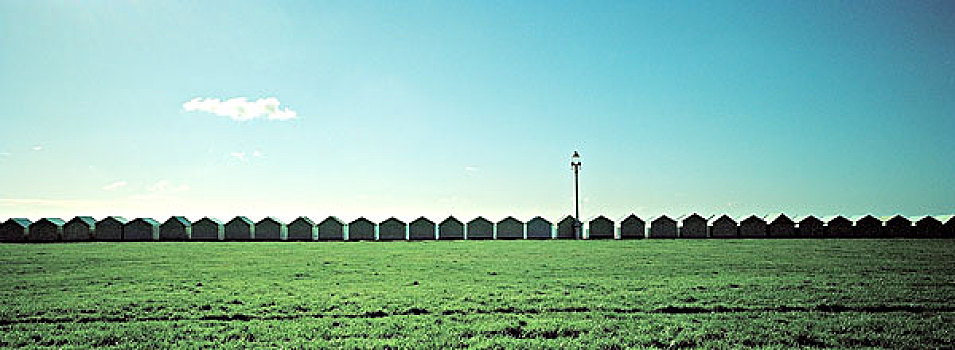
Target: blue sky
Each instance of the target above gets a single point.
(473, 108)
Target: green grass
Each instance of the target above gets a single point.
(481, 294)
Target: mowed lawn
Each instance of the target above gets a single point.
(498, 294)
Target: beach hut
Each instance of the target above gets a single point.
(80, 228)
(633, 227)
(110, 228)
(868, 226)
(565, 228)
(331, 229)
(392, 230)
(302, 229)
(662, 227)
(421, 229)
(928, 227)
(361, 229)
(838, 226)
(141, 229)
(15, 230)
(724, 227)
(899, 226)
(46, 230)
(809, 226)
(208, 229)
(451, 228)
(780, 226)
(177, 228)
(239, 228)
(752, 227)
(510, 228)
(539, 228)
(600, 227)
(692, 226)
(270, 229)
(480, 228)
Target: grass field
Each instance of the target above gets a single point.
(494, 294)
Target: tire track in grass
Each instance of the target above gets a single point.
(874, 309)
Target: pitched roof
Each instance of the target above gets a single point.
(751, 217)
(802, 218)
(272, 219)
(149, 221)
(334, 219)
(208, 219)
(776, 216)
(88, 220)
(361, 219)
(479, 218)
(687, 216)
(181, 219)
(631, 217)
(664, 216)
(393, 219)
(422, 219)
(451, 218)
(55, 221)
(538, 218)
(241, 219)
(22, 222)
(304, 219)
(118, 219)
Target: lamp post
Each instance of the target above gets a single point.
(575, 164)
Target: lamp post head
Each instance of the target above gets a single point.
(575, 160)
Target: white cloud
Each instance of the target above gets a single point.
(241, 109)
(38, 148)
(257, 154)
(471, 168)
(165, 186)
(114, 186)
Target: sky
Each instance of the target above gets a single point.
(473, 108)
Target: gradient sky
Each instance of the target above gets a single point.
(474, 108)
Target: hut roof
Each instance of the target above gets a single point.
(148, 221)
(928, 218)
(304, 219)
(242, 219)
(212, 220)
(895, 218)
(335, 219)
(687, 216)
(271, 219)
(393, 219)
(480, 218)
(55, 221)
(118, 219)
(88, 220)
(662, 217)
(598, 217)
(538, 218)
(361, 219)
(776, 216)
(567, 218)
(721, 217)
(451, 218)
(750, 218)
(631, 217)
(867, 217)
(422, 218)
(802, 218)
(510, 218)
(181, 219)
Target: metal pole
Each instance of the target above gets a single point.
(577, 231)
